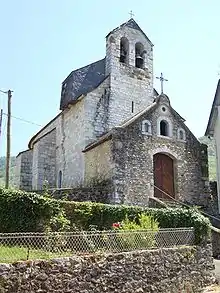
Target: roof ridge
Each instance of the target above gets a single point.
(80, 68)
(135, 26)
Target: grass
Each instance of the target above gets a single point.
(9, 254)
(212, 289)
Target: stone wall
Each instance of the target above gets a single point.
(216, 243)
(133, 158)
(70, 143)
(98, 163)
(97, 191)
(44, 161)
(96, 112)
(24, 170)
(127, 83)
(184, 270)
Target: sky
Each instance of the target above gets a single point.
(42, 41)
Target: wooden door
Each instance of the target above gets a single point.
(163, 176)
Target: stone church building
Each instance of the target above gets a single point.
(114, 126)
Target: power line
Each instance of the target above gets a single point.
(24, 120)
(3, 92)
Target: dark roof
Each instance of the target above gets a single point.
(82, 81)
(213, 113)
(132, 24)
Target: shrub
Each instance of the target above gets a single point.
(141, 239)
(29, 212)
(85, 215)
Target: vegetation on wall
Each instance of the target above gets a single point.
(211, 156)
(31, 212)
(88, 215)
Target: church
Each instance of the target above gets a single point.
(114, 126)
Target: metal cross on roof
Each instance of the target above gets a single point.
(162, 79)
(131, 14)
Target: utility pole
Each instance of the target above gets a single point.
(8, 146)
(1, 114)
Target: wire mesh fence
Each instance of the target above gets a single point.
(24, 246)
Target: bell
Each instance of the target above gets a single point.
(139, 57)
(123, 53)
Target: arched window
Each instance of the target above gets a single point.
(146, 127)
(181, 135)
(124, 50)
(139, 55)
(60, 179)
(164, 128)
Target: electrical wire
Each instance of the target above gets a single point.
(24, 120)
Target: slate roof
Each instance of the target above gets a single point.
(132, 24)
(85, 79)
(213, 113)
(82, 81)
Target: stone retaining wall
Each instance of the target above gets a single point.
(175, 270)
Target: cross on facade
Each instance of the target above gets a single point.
(162, 79)
(131, 14)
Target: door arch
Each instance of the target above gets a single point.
(163, 176)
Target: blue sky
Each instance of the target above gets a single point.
(43, 41)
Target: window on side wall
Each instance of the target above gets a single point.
(181, 134)
(164, 128)
(146, 127)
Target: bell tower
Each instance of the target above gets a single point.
(129, 64)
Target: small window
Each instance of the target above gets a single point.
(181, 135)
(132, 107)
(60, 179)
(164, 128)
(146, 127)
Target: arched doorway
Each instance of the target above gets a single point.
(163, 176)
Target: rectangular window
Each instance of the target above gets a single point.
(132, 107)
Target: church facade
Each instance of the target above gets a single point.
(114, 126)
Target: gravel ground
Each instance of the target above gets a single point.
(215, 288)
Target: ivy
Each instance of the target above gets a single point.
(30, 212)
(101, 216)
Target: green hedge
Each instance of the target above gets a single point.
(23, 211)
(87, 215)
(28, 212)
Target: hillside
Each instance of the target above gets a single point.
(2, 171)
(211, 152)
(212, 156)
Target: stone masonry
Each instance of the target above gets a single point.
(98, 135)
(185, 270)
(24, 170)
(127, 158)
(44, 161)
(128, 83)
(96, 110)
(134, 160)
